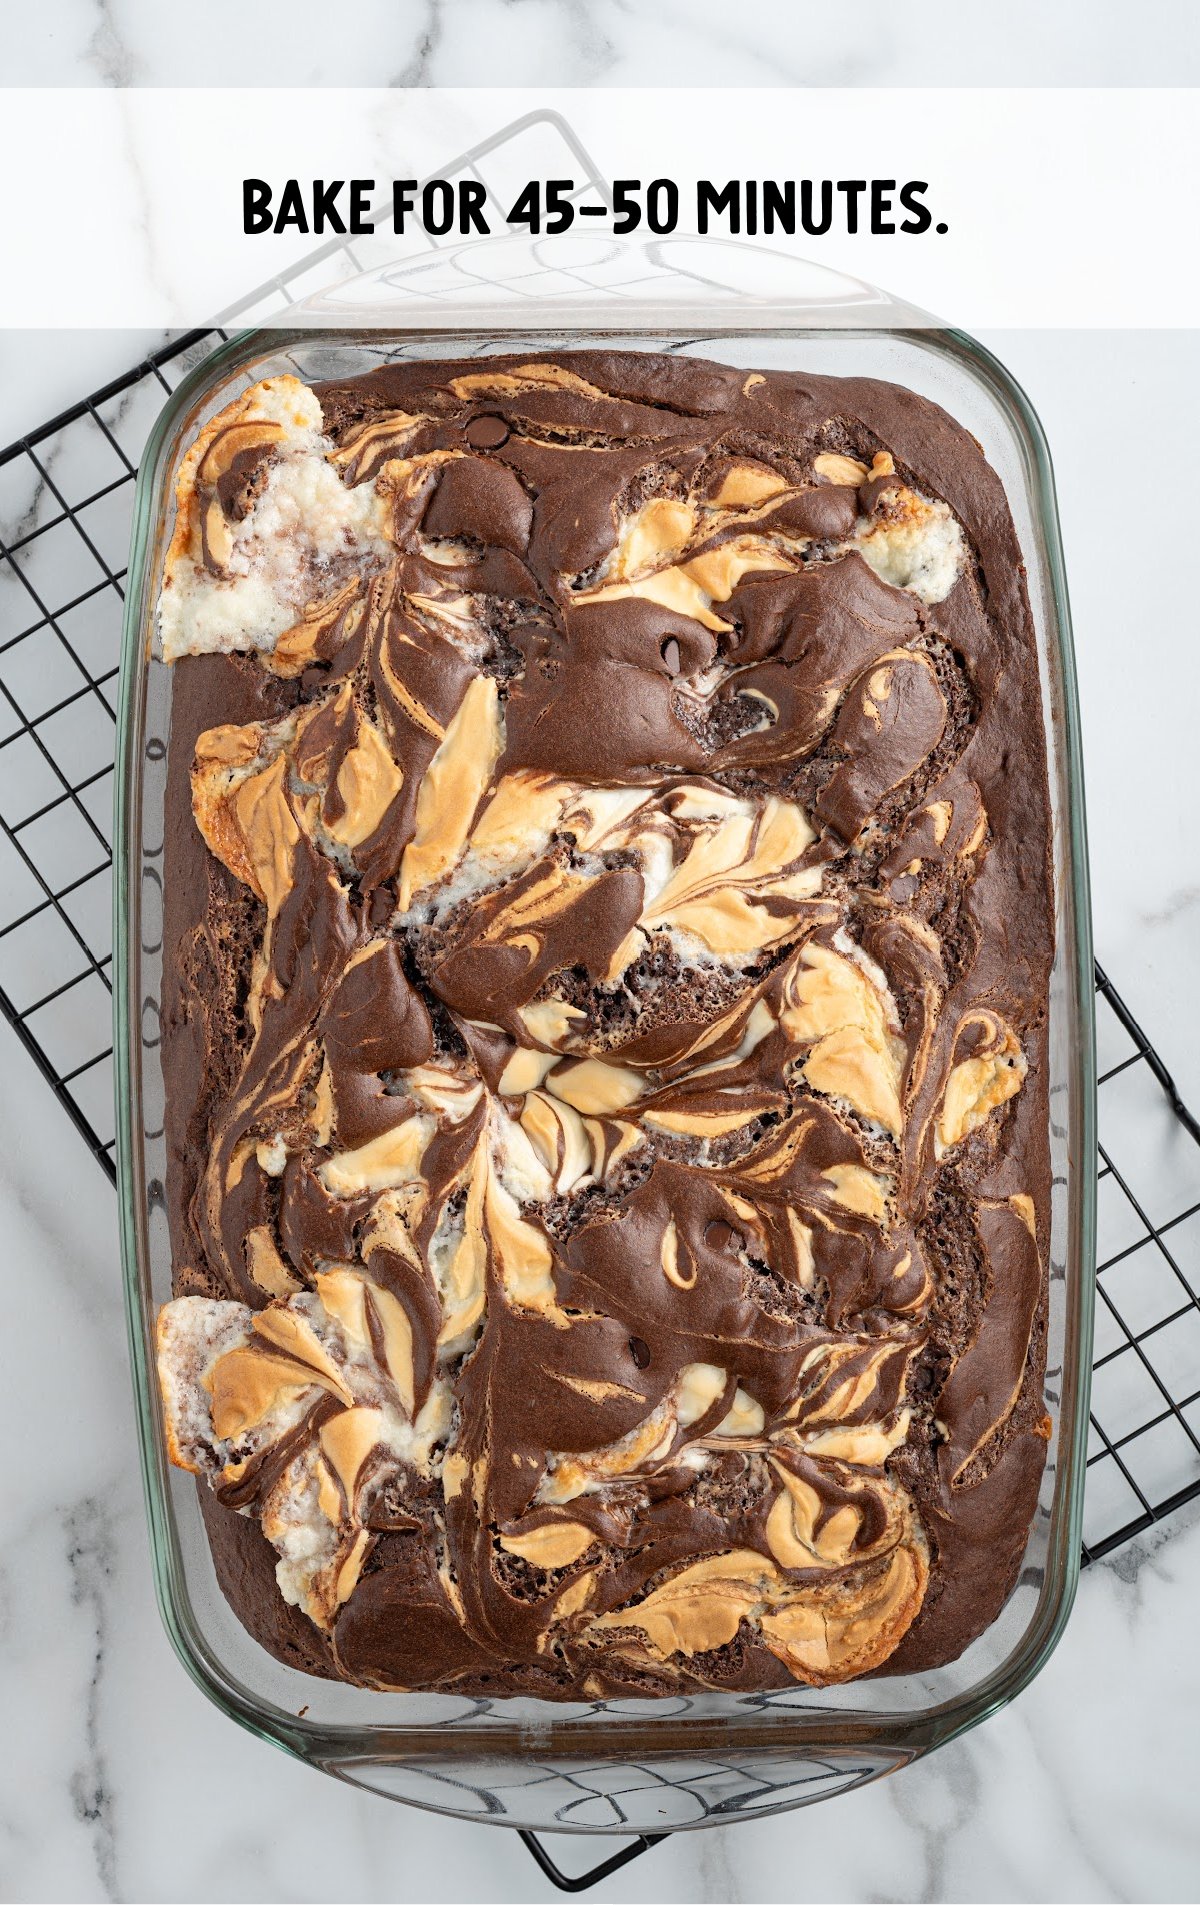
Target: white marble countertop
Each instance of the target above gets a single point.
(605, 43)
(122, 1781)
(128, 1785)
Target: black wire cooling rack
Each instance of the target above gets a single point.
(66, 495)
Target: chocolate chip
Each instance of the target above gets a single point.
(640, 1352)
(670, 654)
(486, 433)
(719, 1235)
(381, 908)
(876, 490)
(312, 679)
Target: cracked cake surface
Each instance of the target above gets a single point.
(608, 931)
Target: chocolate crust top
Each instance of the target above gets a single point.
(609, 925)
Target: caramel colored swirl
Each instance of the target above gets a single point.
(606, 1130)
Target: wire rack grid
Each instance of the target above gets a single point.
(66, 494)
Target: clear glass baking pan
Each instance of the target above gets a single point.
(619, 1766)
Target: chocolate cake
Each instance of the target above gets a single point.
(608, 929)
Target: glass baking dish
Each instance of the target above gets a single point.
(618, 1766)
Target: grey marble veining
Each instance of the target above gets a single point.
(123, 1782)
(607, 43)
(127, 1784)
